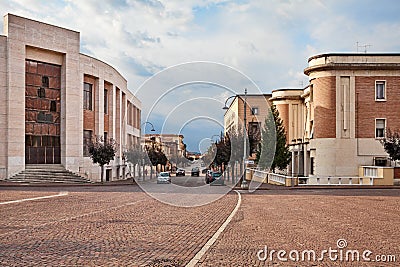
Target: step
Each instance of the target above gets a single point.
(65, 178)
(44, 166)
(45, 181)
(48, 178)
(47, 173)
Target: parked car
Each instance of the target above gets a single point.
(204, 170)
(217, 179)
(180, 172)
(195, 171)
(164, 178)
(208, 176)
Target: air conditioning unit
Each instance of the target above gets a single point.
(381, 161)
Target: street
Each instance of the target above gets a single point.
(124, 226)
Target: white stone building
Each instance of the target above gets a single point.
(53, 100)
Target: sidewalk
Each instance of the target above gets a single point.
(131, 181)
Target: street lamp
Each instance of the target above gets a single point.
(144, 147)
(225, 106)
(152, 126)
(244, 183)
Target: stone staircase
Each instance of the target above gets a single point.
(47, 173)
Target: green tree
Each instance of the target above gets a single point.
(391, 144)
(156, 156)
(223, 152)
(273, 151)
(102, 152)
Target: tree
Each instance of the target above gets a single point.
(274, 151)
(102, 152)
(223, 153)
(156, 156)
(136, 156)
(391, 144)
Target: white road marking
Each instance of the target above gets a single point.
(214, 238)
(34, 198)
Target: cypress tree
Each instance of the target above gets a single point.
(273, 151)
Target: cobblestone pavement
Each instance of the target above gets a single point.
(123, 226)
(310, 220)
(104, 226)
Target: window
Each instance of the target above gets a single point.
(380, 125)
(130, 114)
(105, 137)
(87, 140)
(380, 90)
(380, 161)
(45, 81)
(41, 92)
(254, 111)
(87, 96)
(312, 166)
(105, 101)
(53, 106)
(254, 127)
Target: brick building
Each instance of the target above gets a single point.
(257, 109)
(54, 100)
(171, 144)
(335, 123)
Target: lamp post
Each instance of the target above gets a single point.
(144, 145)
(244, 183)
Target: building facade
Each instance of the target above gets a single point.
(55, 100)
(334, 124)
(257, 109)
(171, 144)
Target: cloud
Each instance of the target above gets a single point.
(269, 41)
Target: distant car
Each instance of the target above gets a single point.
(164, 178)
(180, 172)
(217, 178)
(195, 171)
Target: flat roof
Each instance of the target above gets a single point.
(352, 54)
(289, 89)
(38, 21)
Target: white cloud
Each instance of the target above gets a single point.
(270, 41)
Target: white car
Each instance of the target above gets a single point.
(164, 178)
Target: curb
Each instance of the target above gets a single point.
(128, 182)
(11, 184)
(369, 187)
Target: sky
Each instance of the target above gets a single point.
(183, 58)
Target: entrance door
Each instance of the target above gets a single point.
(42, 113)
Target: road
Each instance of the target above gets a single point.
(124, 226)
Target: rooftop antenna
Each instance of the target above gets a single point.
(363, 46)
